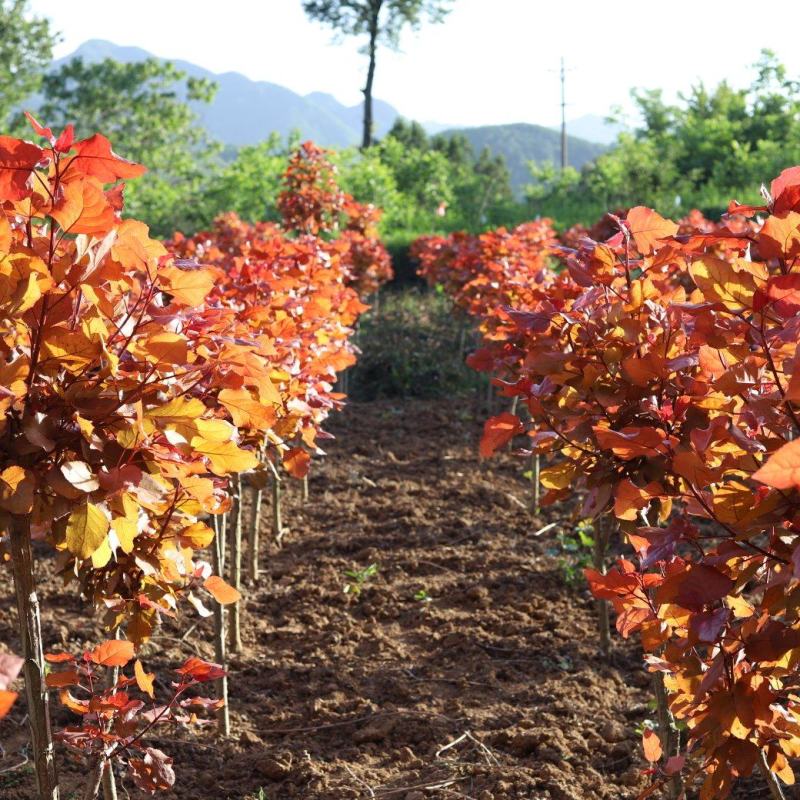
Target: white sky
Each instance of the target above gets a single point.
(492, 61)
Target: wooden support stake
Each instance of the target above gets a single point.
(220, 655)
(254, 536)
(30, 628)
(235, 631)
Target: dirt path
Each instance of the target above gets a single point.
(466, 636)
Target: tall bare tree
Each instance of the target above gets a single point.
(381, 21)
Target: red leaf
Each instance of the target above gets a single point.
(96, 158)
(499, 431)
(18, 160)
(699, 586)
(201, 670)
(785, 191)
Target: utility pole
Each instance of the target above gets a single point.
(563, 116)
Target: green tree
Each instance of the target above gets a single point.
(26, 49)
(381, 21)
(249, 185)
(712, 145)
(143, 107)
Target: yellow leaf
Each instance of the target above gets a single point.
(87, 528)
(196, 535)
(721, 282)
(180, 408)
(214, 430)
(125, 529)
(102, 555)
(224, 457)
(144, 680)
(165, 348)
(558, 476)
(16, 490)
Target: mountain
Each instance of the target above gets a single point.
(521, 143)
(246, 111)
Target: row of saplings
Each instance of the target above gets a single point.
(143, 387)
(655, 367)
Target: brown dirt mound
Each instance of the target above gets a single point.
(466, 668)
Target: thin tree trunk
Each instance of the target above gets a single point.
(366, 138)
(277, 517)
(220, 656)
(666, 732)
(771, 779)
(109, 783)
(254, 536)
(602, 534)
(93, 787)
(235, 632)
(304, 495)
(535, 485)
(33, 653)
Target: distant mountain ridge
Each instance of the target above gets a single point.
(245, 112)
(522, 143)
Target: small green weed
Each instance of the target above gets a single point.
(358, 578)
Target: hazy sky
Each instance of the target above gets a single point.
(492, 61)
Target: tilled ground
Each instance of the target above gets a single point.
(466, 668)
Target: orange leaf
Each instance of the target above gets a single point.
(113, 653)
(223, 592)
(782, 469)
(499, 431)
(188, 286)
(297, 462)
(651, 745)
(632, 442)
(83, 208)
(58, 658)
(780, 236)
(647, 227)
(72, 703)
(6, 701)
(57, 680)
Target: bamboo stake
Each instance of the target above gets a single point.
(535, 486)
(235, 630)
(220, 656)
(771, 779)
(277, 520)
(602, 534)
(30, 628)
(254, 534)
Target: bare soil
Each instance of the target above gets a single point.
(466, 668)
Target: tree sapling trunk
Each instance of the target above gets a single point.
(33, 654)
